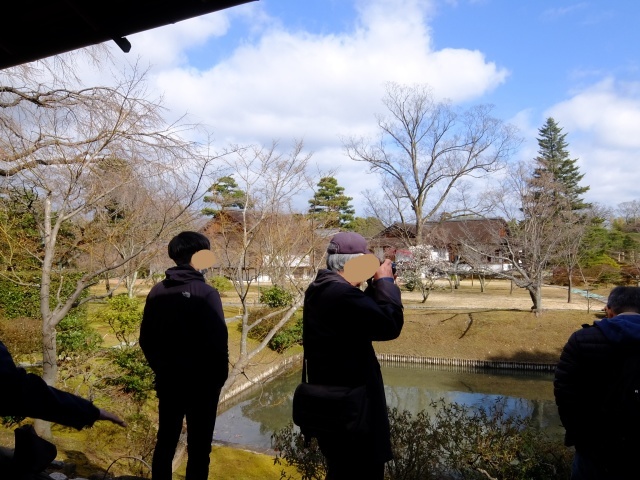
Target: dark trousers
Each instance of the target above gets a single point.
(351, 457)
(600, 465)
(200, 412)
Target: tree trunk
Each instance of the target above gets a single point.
(49, 370)
(131, 283)
(535, 293)
(569, 297)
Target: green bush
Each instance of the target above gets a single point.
(20, 300)
(135, 377)
(220, 283)
(456, 441)
(276, 297)
(75, 335)
(287, 337)
(123, 315)
(260, 330)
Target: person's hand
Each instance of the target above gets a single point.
(111, 417)
(384, 270)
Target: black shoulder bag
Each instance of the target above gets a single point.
(328, 409)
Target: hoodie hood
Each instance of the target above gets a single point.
(183, 274)
(621, 329)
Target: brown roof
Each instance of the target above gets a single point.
(443, 233)
(40, 28)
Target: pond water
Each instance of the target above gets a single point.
(252, 417)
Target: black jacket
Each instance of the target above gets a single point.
(183, 333)
(340, 322)
(24, 394)
(589, 366)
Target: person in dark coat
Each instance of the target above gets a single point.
(340, 322)
(586, 391)
(27, 395)
(185, 340)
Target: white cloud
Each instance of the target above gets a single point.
(165, 46)
(601, 123)
(294, 84)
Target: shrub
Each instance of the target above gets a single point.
(75, 335)
(276, 297)
(288, 336)
(22, 336)
(291, 450)
(457, 441)
(260, 330)
(220, 283)
(20, 300)
(135, 376)
(123, 315)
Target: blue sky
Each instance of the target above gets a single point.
(315, 69)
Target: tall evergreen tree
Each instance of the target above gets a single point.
(330, 206)
(556, 168)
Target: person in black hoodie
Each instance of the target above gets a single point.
(185, 340)
(340, 322)
(589, 382)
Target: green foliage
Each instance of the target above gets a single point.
(11, 421)
(123, 315)
(19, 300)
(226, 194)
(553, 161)
(330, 206)
(220, 283)
(135, 377)
(456, 441)
(288, 336)
(75, 336)
(276, 297)
(367, 227)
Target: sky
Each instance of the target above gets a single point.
(315, 70)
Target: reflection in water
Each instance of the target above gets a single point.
(256, 415)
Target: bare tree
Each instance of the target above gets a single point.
(427, 147)
(540, 224)
(264, 236)
(423, 269)
(58, 148)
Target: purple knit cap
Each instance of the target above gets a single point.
(347, 242)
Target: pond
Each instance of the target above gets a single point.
(250, 420)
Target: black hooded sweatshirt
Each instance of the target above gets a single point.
(183, 333)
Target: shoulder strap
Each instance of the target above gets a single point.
(304, 369)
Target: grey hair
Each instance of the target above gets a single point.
(337, 261)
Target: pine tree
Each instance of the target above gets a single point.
(226, 194)
(330, 206)
(556, 168)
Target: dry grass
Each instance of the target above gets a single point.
(494, 325)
